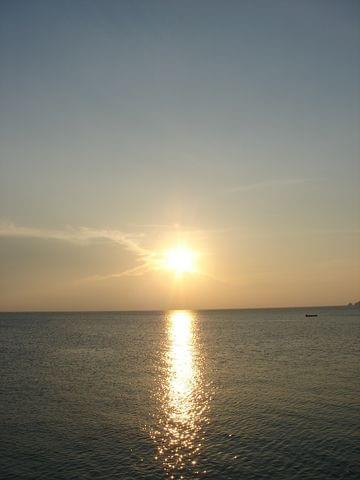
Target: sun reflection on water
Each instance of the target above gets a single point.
(182, 368)
(179, 435)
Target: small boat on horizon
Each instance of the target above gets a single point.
(311, 315)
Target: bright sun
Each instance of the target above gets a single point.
(180, 260)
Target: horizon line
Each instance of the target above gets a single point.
(179, 309)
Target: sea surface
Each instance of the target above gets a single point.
(232, 394)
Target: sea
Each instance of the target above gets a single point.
(221, 394)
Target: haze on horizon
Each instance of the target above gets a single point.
(130, 126)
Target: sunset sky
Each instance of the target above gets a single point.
(229, 128)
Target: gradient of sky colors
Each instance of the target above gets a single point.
(126, 125)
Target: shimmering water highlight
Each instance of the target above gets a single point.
(182, 399)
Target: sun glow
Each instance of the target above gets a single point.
(180, 260)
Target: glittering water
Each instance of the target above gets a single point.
(183, 398)
(257, 394)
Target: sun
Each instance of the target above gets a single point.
(179, 260)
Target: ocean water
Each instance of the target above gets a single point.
(247, 394)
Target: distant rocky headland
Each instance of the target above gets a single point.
(354, 305)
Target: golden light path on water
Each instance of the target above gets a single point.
(182, 368)
(179, 437)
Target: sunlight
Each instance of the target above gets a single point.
(182, 368)
(179, 432)
(180, 260)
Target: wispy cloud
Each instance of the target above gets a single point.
(86, 235)
(137, 271)
(75, 235)
(182, 231)
(268, 184)
(145, 260)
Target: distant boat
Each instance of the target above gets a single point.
(311, 315)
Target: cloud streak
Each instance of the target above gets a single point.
(85, 235)
(75, 235)
(268, 184)
(145, 260)
(137, 271)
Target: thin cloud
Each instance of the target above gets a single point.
(131, 272)
(183, 230)
(268, 184)
(87, 235)
(145, 260)
(75, 235)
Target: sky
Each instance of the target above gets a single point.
(128, 127)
